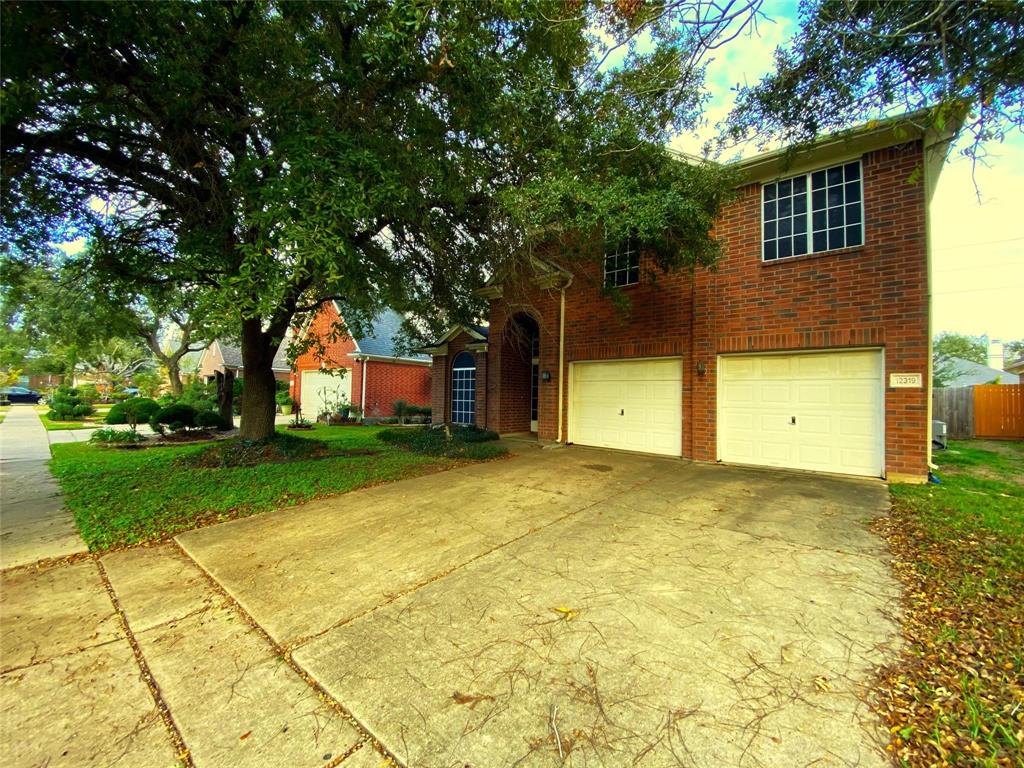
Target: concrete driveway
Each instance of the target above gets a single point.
(564, 607)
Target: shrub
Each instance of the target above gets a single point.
(465, 442)
(201, 396)
(284, 399)
(212, 420)
(119, 397)
(89, 394)
(250, 453)
(402, 410)
(175, 417)
(67, 405)
(116, 436)
(133, 411)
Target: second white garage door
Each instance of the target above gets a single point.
(632, 405)
(819, 411)
(320, 389)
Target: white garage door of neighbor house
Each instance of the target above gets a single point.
(632, 405)
(818, 411)
(319, 388)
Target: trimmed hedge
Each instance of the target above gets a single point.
(134, 410)
(212, 420)
(465, 442)
(68, 405)
(175, 417)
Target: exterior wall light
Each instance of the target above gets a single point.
(545, 375)
(701, 369)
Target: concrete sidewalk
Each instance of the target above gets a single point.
(33, 522)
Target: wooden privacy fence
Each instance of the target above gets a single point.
(999, 410)
(955, 406)
(984, 410)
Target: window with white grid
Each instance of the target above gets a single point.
(464, 389)
(834, 217)
(622, 264)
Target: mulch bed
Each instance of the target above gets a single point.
(955, 696)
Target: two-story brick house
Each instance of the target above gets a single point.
(807, 348)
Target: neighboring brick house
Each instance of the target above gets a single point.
(375, 374)
(222, 357)
(808, 347)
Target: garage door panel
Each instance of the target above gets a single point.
(774, 393)
(835, 397)
(633, 405)
(813, 394)
(776, 368)
(319, 387)
(857, 394)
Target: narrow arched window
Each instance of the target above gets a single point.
(464, 389)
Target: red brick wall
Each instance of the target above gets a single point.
(385, 381)
(336, 354)
(871, 295)
(875, 295)
(388, 382)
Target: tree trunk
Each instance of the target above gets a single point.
(226, 395)
(173, 376)
(258, 405)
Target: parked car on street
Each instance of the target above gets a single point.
(20, 395)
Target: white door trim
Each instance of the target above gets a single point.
(880, 417)
(571, 382)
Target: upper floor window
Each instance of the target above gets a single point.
(834, 217)
(622, 264)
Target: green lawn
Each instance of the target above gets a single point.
(122, 497)
(90, 422)
(956, 695)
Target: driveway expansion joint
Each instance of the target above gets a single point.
(304, 640)
(184, 755)
(286, 656)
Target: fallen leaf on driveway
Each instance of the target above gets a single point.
(567, 613)
(822, 684)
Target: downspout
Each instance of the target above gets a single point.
(362, 392)
(561, 355)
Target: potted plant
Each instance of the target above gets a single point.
(285, 401)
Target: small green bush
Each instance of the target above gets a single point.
(212, 420)
(465, 442)
(116, 437)
(134, 410)
(174, 417)
(68, 405)
(283, 398)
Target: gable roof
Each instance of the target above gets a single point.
(231, 356)
(381, 339)
(969, 373)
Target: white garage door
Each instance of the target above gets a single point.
(320, 388)
(633, 405)
(820, 411)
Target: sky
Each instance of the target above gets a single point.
(977, 223)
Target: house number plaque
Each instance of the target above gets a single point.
(904, 380)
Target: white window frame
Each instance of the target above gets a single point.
(809, 212)
(471, 410)
(632, 255)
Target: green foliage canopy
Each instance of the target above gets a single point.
(282, 154)
(859, 59)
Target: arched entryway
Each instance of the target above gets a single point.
(520, 374)
(464, 389)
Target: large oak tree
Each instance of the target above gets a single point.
(365, 151)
